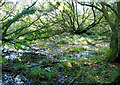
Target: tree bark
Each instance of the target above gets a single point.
(118, 7)
(114, 45)
(115, 27)
(115, 38)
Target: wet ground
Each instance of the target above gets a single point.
(51, 52)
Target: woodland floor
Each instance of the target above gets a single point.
(62, 59)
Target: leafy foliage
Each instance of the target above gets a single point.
(56, 42)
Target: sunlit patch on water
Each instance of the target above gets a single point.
(85, 46)
(46, 54)
(81, 55)
(10, 79)
(11, 56)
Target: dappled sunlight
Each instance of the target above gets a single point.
(63, 62)
(21, 38)
(59, 42)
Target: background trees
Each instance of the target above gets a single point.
(77, 19)
(114, 25)
(57, 17)
(20, 23)
(8, 23)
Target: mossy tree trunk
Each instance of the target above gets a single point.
(114, 43)
(115, 40)
(114, 25)
(118, 6)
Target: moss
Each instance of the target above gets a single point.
(63, 42)
(75, 49)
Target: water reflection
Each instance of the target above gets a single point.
(43, 54)
(18, 79)
(11, 56)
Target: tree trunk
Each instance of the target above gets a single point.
(119, 44)
(118, 7)
(115, 43)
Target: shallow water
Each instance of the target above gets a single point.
(13, 54)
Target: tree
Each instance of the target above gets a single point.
(17, 24)
(114, 25)
(6, 24)
(74, 21)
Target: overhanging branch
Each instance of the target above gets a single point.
(90, 5)
(7, 24)
(89, 27)
(18, 30)
(46, 26)
(115, 11)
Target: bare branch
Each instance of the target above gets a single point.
(7, 24)
(2, 4)
(94, 14)
(77, 15)
(38, 29)
(19, 30)
(85, 19)
(90, 5)
(8, 15)
(89, 27)
(115, 11)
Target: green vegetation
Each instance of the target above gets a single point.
(55, 42)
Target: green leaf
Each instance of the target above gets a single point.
(0, 53)
(33, 42)
(17, 45)
(2, 60)
(13, 42)
(102, 66)
(66, 6)
(42, 39)
(8, 44)
(42, 45)
(30, 50)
